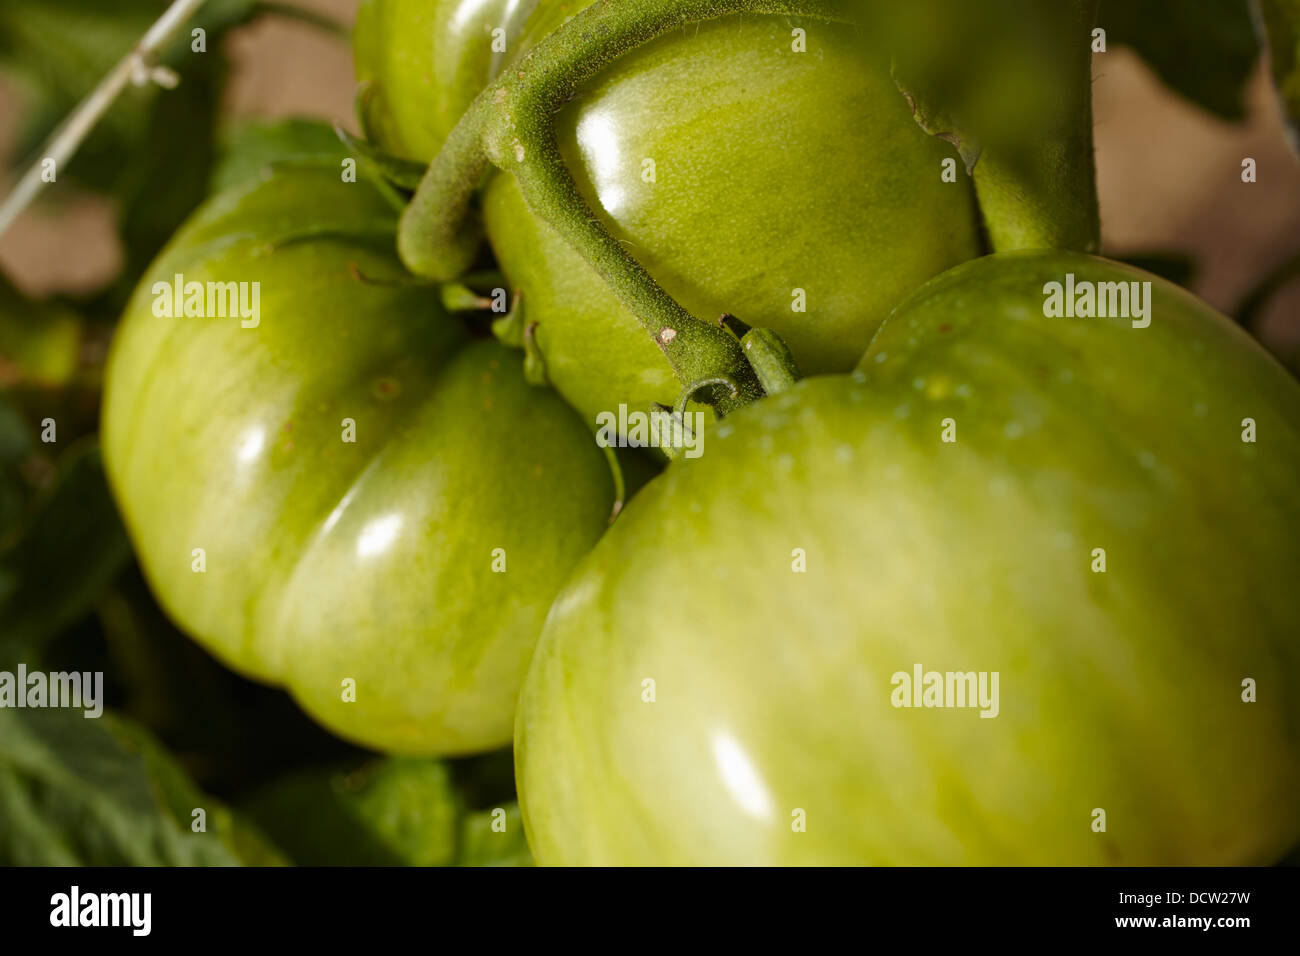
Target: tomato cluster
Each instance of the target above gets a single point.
(1072, 519)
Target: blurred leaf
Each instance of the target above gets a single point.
(15, 443)
(39, 342)
(486, 780)
(51, 366)
(98, 792)
(997, 71)
(180, 154)
(1203, 50)
(495, 838)
(248, 149)
(394, 812)
(397, 811)
(174, 687)
(1177, 268)
(400, 172)
(1281, 21)
(71, 549)
(253, 149)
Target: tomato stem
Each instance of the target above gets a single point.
(1043, 194)
(512, 125)
(770, 359)
(690, 391)
(1032, 164)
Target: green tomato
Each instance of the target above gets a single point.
(1096, 532)
(420, 64)
(792, 189)
(348, 497)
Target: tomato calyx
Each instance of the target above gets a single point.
(516, 331)
(511, 125)
(770, 359)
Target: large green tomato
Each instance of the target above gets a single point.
(342, 494)
(1067, 503)
(792, 189)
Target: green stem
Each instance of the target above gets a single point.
(511, 125)
(1043, 195)
(689, 392)
(695, 349)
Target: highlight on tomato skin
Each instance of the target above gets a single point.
(447, 433)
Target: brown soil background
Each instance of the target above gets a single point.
(1169, 175)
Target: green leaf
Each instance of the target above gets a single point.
(249, 149)
(72, 548)
(495, 838)
(395, 812)
(39, 341)
(399, 811)
(15, 443)
(77, 791)
(400, 172)
(1204, 50)
(1282, 26)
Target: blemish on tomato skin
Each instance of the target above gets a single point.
(945, 327)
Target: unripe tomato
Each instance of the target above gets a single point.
(792, 189)
(1105, 516)
(757, 165)
(347, 497)
(422, 62)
